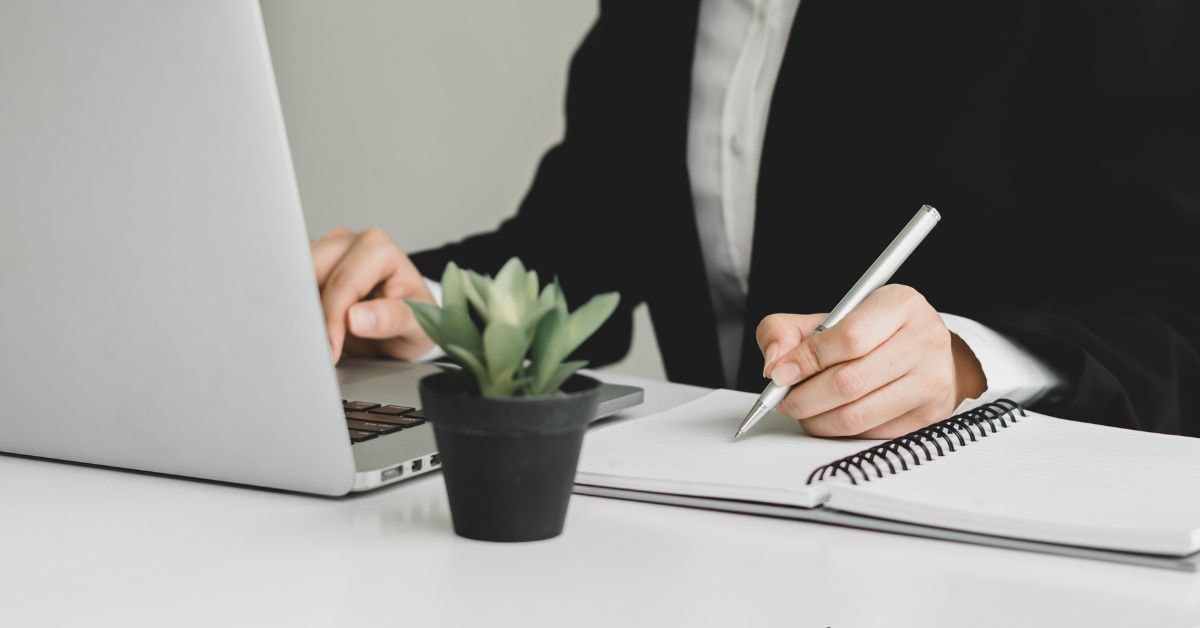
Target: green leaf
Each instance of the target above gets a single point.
(511, 277)
(560, 299)
(507, 300)
(458, 328)
(478, 290)
(549, 347)
(504, 348)
(560, 375)
(453, 294)
(531, 287)
(429, 317)
(470, 362)
(549, 296)
(589, 317)
(519, 321)
(511, 273)
(546, 302)
(533, 316)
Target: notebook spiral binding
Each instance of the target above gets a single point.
(969, 424)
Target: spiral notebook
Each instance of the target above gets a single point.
(996, 475)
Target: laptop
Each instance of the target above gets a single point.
(159, 311)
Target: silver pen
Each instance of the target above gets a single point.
(878, 274)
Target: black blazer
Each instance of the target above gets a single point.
(1059, 140)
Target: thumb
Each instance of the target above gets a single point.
(778, 334)
(392, 325)
(381, 318)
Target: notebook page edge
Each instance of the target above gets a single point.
(611, 455)
(1159, 541)
(810, 496)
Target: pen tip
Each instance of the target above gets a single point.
(756, 413)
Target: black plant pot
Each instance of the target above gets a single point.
(509, 463)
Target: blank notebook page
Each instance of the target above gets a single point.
(1051, 480)
(689, 450)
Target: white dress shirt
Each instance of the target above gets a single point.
(739, 48)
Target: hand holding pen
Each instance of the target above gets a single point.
(881, 364)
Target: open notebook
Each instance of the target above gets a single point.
(998, 476)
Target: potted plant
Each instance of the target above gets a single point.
(509, 422)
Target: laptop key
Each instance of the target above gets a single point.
(358, 436)
(398, 421)
(416, 414)
(370, 426)
(391, 410)
(358, 406)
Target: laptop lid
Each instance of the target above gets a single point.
(159, 311)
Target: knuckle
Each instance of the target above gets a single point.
(340, 292)
(942, 378)
(374, 236)
(772, 320)
(337, 233)
(853, 337)
(940, 336)
(916, 300)
(903, 292)
(851, 420)
(767, 326)
(927, 335)
(335, 285)
(848, 382)
(807, 358)
(891, 290)
(904, 296)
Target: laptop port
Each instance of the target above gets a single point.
(417, 464)
(435, 460)
(394, 472)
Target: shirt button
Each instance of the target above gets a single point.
(737, 145)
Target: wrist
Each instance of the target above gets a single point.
(969, 380)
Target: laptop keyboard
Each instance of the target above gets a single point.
(367, 420)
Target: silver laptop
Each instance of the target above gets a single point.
(159, 310)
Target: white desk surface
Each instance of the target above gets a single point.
(86, 546)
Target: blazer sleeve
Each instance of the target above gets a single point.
(568, 224)
(1128, 342)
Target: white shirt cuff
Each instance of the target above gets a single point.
(1011, 371)
(435, 288)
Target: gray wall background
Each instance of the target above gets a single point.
(426, 117)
